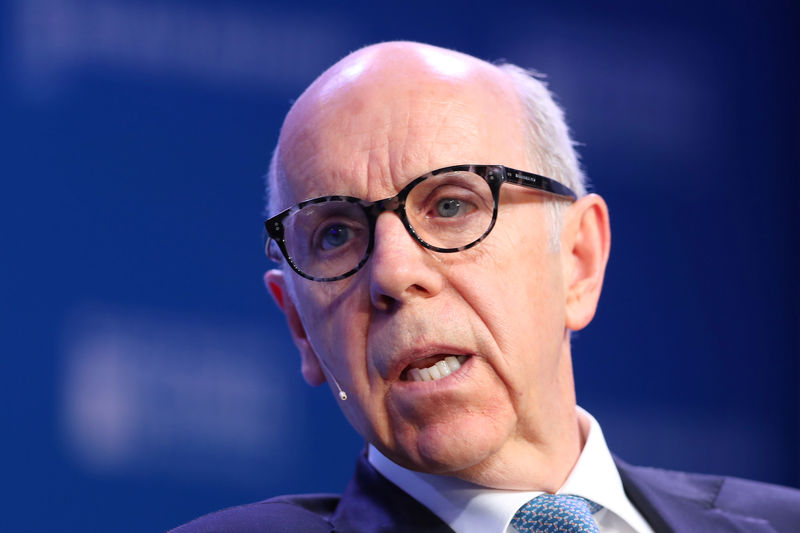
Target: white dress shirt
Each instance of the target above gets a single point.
(470, 508)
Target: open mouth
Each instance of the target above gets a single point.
(433, 368)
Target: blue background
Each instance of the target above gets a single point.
(147, 377)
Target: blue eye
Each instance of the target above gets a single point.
(334, 236)
(448, 207)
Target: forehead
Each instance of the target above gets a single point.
(369, 129)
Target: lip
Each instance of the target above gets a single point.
(405, 358)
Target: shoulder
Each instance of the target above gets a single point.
(719, 491)
(308, 513)
(758, 499)
(665, 494)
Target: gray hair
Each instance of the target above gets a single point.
(271, 182)
(550, 148)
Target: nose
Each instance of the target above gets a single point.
(400, 268)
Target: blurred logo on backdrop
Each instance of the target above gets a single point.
(175, 395)
(265, 47)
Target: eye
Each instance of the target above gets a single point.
(449, 207)
(334, 236)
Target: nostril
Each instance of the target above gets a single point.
(383, 302)
(418, 288)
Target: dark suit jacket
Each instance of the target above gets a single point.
(669, 501)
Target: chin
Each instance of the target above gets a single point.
(449, 448)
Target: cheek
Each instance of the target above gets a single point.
(332, 314)
(513, 283)
(531, 270)
(534, 285)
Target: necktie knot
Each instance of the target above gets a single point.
(556, 513)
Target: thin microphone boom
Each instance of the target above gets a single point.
(342, 394)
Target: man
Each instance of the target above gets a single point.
(448, 250)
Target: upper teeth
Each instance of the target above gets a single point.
(442, 368)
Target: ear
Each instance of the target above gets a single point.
(309, 364)
(586, 243)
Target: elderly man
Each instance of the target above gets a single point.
(437, 248)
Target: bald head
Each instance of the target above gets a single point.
(397, 90)
(403, 90)
(396, 63)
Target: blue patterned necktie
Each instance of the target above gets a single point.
(556, 513)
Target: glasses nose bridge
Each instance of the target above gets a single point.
(376, 208)
(396, 204)
(393, 204)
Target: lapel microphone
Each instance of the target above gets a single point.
(342, 394)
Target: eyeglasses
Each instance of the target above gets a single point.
(448, 210)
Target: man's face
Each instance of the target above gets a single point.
(367, 132)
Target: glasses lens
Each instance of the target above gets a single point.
(327, 239)
(451, 210)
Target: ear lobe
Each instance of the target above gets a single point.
(586, 244)
(309, 363)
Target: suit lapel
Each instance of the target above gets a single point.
(373, 504)
(676, 502)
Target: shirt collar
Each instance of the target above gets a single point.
(470, 508)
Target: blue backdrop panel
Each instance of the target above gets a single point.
(147, 376)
